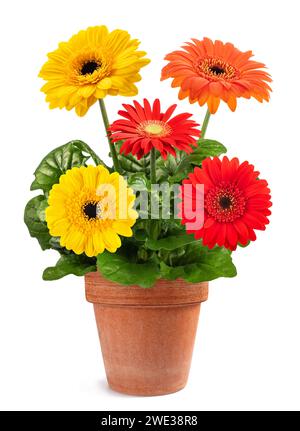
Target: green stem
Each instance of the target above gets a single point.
(152, 224)
(153, 166)
(110, 142)
(205, 123)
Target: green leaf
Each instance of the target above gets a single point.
(140, 235)
(200, 264)
(170, 163)
(139, 182)
(166, 168)
(140, 230)
(162, 171)
(55, 245)
(70, 264)
(34, 218)
(58, 161)
(170, 242)
(118, 268)
(209, 148)
(206, 148)
(129, 163)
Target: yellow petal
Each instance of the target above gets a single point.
(78, 241)
(97, 35)
(87, 91)
(105, 84)
(98, 242)
(89, 247)
(90, 177)
(100, 93)
(112, 92)
(122, 228)
(59, 227)
(111, 240)
(81, 109)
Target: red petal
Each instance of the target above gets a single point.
(222, 234)
(156, 110)
(148, 110)
(140, 110)
(167, 115)
(232, 235)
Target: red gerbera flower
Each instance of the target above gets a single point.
(235, 202)
(145, 128)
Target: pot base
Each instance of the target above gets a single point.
(142, 393)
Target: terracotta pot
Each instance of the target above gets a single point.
(146, 335)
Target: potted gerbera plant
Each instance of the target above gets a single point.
(150, 231)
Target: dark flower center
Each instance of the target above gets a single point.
(225, 202)
(89, 67)
(90, 210)
(217, 70)
(214, 68)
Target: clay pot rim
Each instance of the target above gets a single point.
(165, 305)
(164, 293)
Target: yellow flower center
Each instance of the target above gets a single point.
(154, 129)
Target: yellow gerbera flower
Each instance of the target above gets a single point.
(92, 64)
(89, 208)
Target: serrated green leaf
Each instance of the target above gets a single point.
(70, 264)
(35, 220)
(54, 243)
(200, 264)
(170, 242)
(166, 168)
(118, 268)
(138, 182)
(140, 235)
(209, 148)
(129, 163)
(59, 160)
(170, 163)
(206, 148)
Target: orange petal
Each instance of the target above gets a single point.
(213, 104)
(182, 94)
(216, 88)
(232, 102)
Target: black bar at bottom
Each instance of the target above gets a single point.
(98, 421)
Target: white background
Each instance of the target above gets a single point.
(247, 351)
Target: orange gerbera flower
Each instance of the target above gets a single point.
(208, 72)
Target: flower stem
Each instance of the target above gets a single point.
(152, 166)
(111, 145)
(153, 224)
(205, 123)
